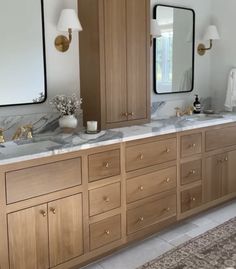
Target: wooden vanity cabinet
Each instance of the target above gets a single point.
(46, 235)
(114, 61)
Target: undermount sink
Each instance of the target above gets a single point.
(12, 148)
(204, 117)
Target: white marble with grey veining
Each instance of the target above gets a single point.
(51, 143)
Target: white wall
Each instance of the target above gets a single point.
(202, 64)
(62, 68)
(224, 51)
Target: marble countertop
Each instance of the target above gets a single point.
(50, 144)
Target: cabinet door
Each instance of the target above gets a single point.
(28, 238)
(137, 58)
(65, 229)
(229, 173)
(213, 178)
(115, 60)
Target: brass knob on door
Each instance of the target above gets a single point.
(193, 145)
(141, 156)
(167, 150)
(166, 210)
(167, 180)
(141, 188)
(192, 199)
(53, 210)
(43, 213)
(226, 159)
(106, 165)
(140, 219)
(131, 114)
(107, 199)
(107, 232)
(124, 114)
(193, 172)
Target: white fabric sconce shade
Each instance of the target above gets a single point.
(155, 29)
(69, 20)
(211, 33)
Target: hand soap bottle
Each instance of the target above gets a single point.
(197, 105)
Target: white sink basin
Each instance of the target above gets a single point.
(12, 149)
(204, 117)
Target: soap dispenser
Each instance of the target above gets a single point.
(197, 105)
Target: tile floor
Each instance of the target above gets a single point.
(137, 255)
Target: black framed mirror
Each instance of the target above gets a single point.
(22, 53)
(173, 51)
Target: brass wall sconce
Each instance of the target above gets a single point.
(68, 22)
(155, 30)
(211, 34)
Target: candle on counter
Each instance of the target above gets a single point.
(92, 126)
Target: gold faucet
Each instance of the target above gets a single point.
(2, 139)
(25, 131)
(187, 111)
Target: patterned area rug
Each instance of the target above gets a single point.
(214, 249)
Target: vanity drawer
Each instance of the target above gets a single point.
(220, 138)
(148, 154)
(191, 199)
(151, 213)
(39, 180)
(191, 144)
(104, 165)
(191, 172)
(104, 199)
(105, 232)
(154, 183)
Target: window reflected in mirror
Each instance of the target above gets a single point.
(174, 50)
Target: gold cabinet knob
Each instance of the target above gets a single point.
(166, 210)
(167, 180)
(106, 199)
(141, 188)
(43, 213)
(167, 150)
(193, 145)
(53, 210)
(141, 157)
(131, 114)
(107, 232)
(106, 165)
(124, 114)
(193, 172)
(226, 159)
(140, 219)
(192, 199)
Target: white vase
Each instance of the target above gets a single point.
(68, 121)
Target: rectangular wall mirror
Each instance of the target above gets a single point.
(22, 53)
(174, 50)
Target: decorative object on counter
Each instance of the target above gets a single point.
(92, 136)
(197, 105)
(68, 22)
(68, 106)
(210, 34)
(2, 140)
(230, 100)
(92, 127)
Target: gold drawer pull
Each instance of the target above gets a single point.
(141, 157)
(167, 150)
(141, 188)
(193, 172)
(226, 159)
(140, 219)
(131, 114)
(53, 210)
(124, 114)
(107, 199)
(107, 232)
(167, 180)
(166, 210)
(193, 145)
(43, 213)
(106, 165)
(192, 199)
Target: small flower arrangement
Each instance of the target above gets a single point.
(66, 105)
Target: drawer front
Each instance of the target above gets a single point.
(103, 165)
(220, 138)
(144, 155)
(191, 199)
(104, 199)
(191, 144)
(150, 213)
(105, 232)
(39, 180)
(191, 172)
(154, 183)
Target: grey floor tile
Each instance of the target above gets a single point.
(180, 240)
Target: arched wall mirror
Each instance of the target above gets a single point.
(174, 50)
(22, 53)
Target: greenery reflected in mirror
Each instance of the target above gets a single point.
(174, 50)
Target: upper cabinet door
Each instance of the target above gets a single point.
(137, 58)
(65, 229)
(28, 238)
(115, 60)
